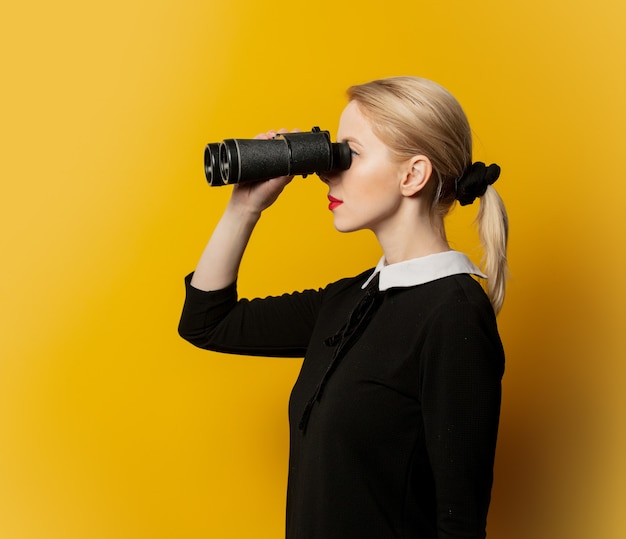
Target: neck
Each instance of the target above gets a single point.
(412, 238)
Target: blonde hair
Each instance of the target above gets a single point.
(415, 116)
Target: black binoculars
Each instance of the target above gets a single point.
(247, 160)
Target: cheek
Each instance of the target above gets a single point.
(371, 182)
(380, 183)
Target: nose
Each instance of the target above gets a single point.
(330, 176)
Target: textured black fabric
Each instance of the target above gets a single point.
(401, 442)
(343, 340)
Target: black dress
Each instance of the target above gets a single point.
(394, 416)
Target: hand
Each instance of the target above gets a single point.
(254, 197)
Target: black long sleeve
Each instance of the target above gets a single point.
(277, 326)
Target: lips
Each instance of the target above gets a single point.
(334, 202)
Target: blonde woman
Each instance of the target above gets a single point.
(394, 416)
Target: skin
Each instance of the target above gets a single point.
(384, 195)
(377, 193)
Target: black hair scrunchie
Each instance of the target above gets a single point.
(474, 182)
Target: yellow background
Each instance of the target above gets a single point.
(111, 426)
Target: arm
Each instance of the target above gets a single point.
(461, 389)
(220, 261)
(212, 316)
(273, 327)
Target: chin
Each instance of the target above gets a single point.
(346, 227)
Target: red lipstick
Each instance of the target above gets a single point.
(334, 202)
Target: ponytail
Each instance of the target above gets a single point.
(493, 224)
(493, 229)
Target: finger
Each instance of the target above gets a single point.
(281, 180)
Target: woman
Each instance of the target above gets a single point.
(394, 416)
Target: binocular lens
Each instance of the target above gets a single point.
(226, 163)
(212, 164)
(246, 160)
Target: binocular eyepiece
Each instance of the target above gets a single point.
(246, 160)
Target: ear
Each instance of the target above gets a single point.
(416, 175)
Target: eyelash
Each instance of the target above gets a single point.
(353, 152)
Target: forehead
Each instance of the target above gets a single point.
(353, 124)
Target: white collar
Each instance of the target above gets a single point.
(423, 270)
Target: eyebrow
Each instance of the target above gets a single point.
(351, 139)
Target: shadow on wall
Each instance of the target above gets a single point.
(549, 461)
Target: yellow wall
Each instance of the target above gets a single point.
(112, 426)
